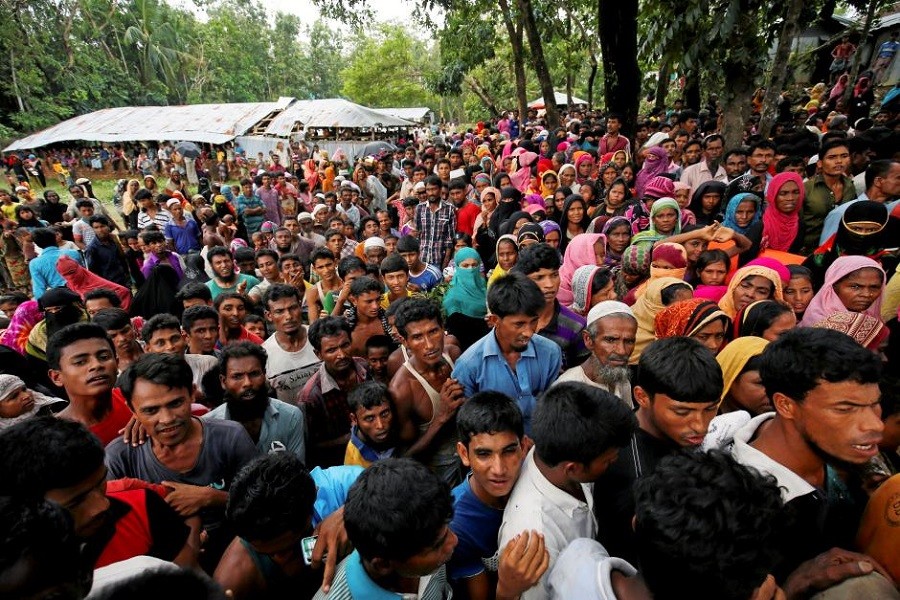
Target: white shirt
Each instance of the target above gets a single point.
(577, 374)
(791, 485)
(288, 372)
(536, 504)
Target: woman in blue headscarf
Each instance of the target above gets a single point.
(465, 302)
(742, 212)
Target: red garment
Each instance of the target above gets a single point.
(780, 229)
(465, 218)
(143, 525)
(247, 336)
(108, 429)
(81, 281)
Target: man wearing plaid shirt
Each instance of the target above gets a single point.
(436, 224)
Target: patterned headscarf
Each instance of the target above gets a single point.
(687, 317)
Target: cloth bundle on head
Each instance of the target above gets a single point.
(656, 163)
(468, 292)
(645, 310)
(579, 252)
(868, 331)
(534, 200)
(582, 282)
(730, 220)
(735, 356)
(674, 254)
(659, 187)
(687, 317)
(827, 302)
(727, 301)
(607, 308)
(533, 209)
(636, 260)
(780, 229)
(656, 140)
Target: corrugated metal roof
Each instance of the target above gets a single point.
(416, 113)
(330, 112)
(204, 123)
(560, 98)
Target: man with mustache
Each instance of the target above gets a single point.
(824, 387)
(610, 336)
(226, 279)
(82, 361)
(196, 459)
(274, 425)
(679, 384)
(710, 168)
(425, 396)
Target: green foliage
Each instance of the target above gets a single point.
(389, 67)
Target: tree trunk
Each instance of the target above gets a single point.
(15, 80)
(514, 30)
(591, 77)
(857, 56)
(618, 45)
(569, 75)
(691, 94)
(482, 94)
(592, 51)
(662, 83)
(779, 73)
(540, 63)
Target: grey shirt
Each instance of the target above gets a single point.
(226, 447)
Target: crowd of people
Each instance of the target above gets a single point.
(506, 362)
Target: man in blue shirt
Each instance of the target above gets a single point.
(43, 268)
(104, 255)
(511, 359)
(250, 207)
(490, 443)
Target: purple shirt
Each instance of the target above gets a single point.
(153, 260)
(272, 199)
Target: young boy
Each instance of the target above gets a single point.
(577, 431)
(679, 384)
(395, 272)
(401, 539)
(372, 436)
(490, 444)
(82, 232)
(422, 276)
(378, 351)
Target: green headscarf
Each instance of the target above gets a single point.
(468, 292)
(651, 235)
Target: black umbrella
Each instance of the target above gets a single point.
(373, 148)
(187, 149)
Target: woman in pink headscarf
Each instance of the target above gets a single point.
(584, 167)
(520, 176)
(584, 249)
(81, 281)
(656, 163)
(852, 283)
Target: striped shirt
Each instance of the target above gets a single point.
(565, 329)
(351, 582)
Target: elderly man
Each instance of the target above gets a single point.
(610, 334)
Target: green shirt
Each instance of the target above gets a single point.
(818, 203)
(216, 289)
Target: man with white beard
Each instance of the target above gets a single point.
(610, 336)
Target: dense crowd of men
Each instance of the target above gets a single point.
(506, 362)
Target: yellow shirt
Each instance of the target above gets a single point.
(9, 210)
(353, 457)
